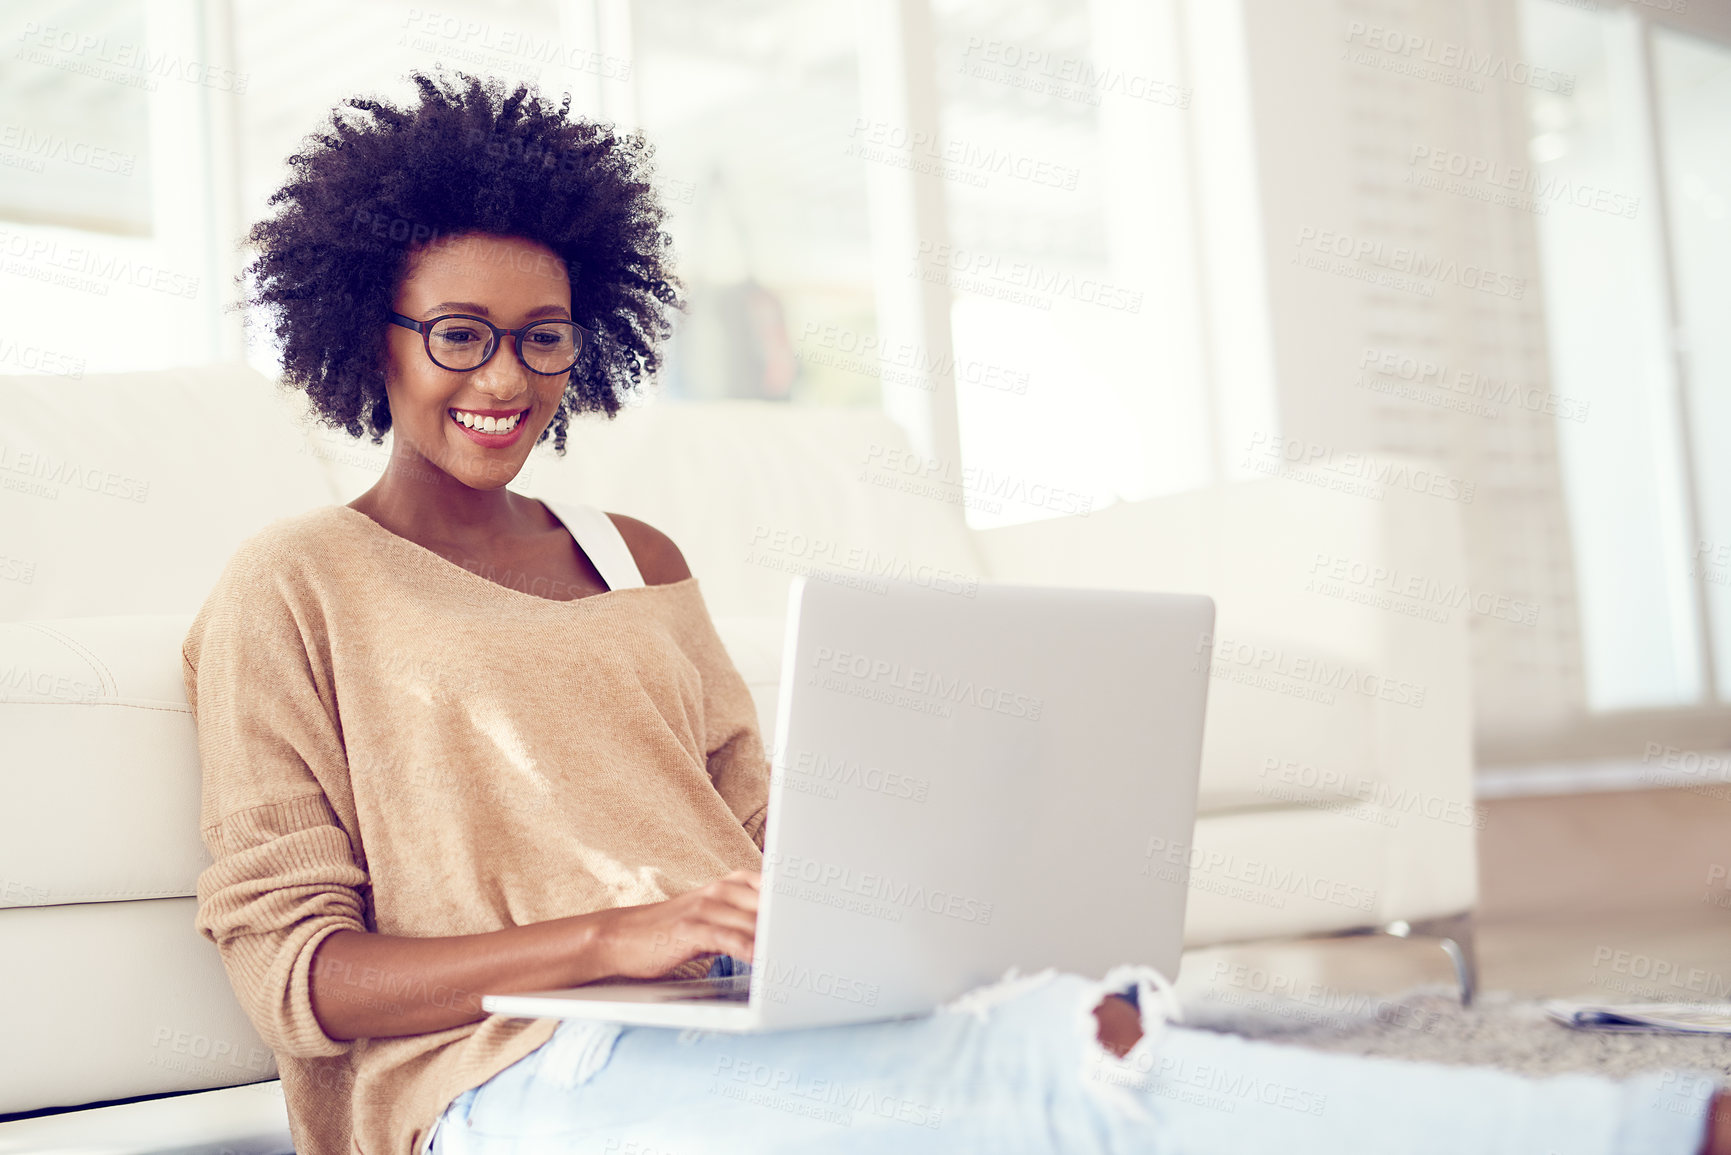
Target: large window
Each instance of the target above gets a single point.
(751, 107)
(1068, 252)
(974, 214)
(107, 197)
(951, 212)
(1693, 90)
(1630, 178)
(948, 210)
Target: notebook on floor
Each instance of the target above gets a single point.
(1671, 1018)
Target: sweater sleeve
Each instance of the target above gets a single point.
(284, 874)
(738, 766)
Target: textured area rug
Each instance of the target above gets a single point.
(1428, 1024)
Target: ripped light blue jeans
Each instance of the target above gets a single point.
(1015, 1067)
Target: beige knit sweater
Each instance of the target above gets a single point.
(393, 743)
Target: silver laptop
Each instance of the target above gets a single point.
(959, 784)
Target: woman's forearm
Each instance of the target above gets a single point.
(373, 986)
(378, 986)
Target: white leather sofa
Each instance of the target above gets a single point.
(1336, 790)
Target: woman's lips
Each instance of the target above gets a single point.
(491, 440)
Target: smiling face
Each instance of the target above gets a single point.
(435, 412)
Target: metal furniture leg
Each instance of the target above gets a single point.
(1454, 933)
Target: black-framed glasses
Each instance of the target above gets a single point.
(462, 342)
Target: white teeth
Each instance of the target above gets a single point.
(488, 424)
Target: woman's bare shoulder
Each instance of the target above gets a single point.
(657, 558)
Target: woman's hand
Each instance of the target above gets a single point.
(645, 942)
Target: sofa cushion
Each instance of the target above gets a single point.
(101, 772)
(116, 999)
(1288, 723)
(1267, 874)
(246, 1120)
(754, 643)
(126, 493)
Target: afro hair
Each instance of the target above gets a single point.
(366, 191)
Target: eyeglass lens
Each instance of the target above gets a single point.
(464, 343)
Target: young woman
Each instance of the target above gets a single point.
(456, 741)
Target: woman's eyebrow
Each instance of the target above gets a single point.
(473, 307)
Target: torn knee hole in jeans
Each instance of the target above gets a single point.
(1116, 1079)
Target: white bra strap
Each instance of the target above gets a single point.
(598, 537)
